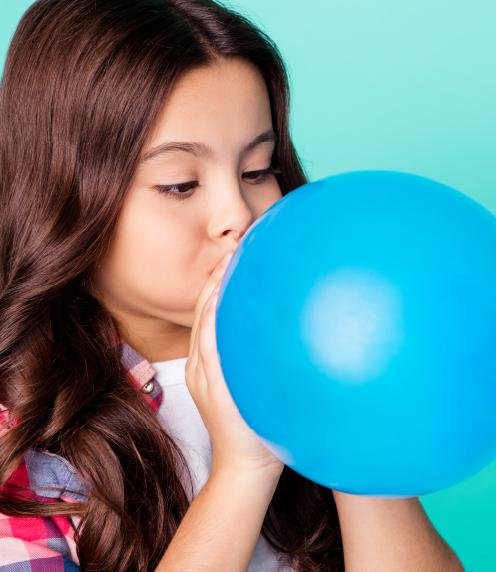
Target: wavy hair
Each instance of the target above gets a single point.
(83, 84)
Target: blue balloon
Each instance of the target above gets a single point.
(356, 330)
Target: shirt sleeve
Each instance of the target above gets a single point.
(38, 543)
(32, 544)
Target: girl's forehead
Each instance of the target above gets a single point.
(225, 98)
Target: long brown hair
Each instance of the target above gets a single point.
(83, 84)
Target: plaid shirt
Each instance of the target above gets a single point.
(39, 544)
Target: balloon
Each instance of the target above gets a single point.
(356, 330)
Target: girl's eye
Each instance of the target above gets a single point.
(181, 191)
(262, 175)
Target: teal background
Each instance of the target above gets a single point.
(389, 84)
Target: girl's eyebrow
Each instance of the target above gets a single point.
(201, 149)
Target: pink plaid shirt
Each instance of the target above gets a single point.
(39, 544)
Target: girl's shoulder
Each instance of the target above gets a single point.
(48, 543)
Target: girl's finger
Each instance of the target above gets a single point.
(207, 344)
(194, 354)
(207, 290)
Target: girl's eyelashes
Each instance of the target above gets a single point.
(181, 191)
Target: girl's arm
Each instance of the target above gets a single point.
(391, 535)
(221, 527)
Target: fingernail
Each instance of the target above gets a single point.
(226, 259)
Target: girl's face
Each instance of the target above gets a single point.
(167, 243)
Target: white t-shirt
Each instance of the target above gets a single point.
(179, 415)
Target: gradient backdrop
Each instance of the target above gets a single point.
(391, 84)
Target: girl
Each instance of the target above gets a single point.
(139, 142)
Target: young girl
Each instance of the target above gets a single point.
(139, 142)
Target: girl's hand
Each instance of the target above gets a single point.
(234, 443)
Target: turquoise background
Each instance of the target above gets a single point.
(388, 84)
